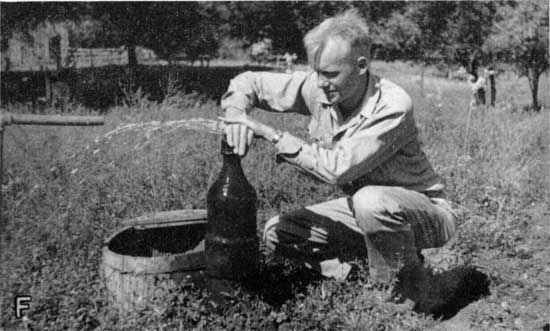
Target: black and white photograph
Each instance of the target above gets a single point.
(274, 165)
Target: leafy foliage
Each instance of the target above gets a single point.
(520, 37)
(433, 32)
(468, 25)
(165, 27)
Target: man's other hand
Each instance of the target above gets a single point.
(239, 136)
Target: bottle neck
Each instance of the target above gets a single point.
(231, 161)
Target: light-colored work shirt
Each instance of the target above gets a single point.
(478, 84)
(377, 144)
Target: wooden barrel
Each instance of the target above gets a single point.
(153, 251)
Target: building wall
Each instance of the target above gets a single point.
(33, 53)
(97, 57)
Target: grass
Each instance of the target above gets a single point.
(64, 193)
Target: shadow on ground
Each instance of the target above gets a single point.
(453, 290)
(277, 284)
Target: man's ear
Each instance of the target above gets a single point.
(362, 64)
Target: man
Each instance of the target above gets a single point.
(477, 84)
(365, 141)
(289, 60)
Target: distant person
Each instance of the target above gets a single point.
(490, 73)
(364, 139)
(289, 60)
(477, 84)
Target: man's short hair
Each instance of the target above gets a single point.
(349, 26)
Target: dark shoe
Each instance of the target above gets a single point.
(440, 295)
(408, 292)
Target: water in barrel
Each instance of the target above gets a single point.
(231, 240)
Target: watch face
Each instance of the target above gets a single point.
(277, 138)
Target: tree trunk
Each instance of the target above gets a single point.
(131, 69)
(47, 86)
(493, 88)
(422, 73)
(473, 64)
(533, 76)
(132, 58)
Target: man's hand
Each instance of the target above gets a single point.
(241, 129)
(239, 136)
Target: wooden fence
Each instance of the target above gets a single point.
(97, 57)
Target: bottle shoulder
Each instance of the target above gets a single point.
(230, 189)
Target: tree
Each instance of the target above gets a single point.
(285, 23)
(416, 33)
(433, 32)
(165, 27)
(468, 25)
(201, 39)
(252, 21)
(124, 24)
(398, 37)
(520, 37)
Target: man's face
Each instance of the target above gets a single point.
(338, 72)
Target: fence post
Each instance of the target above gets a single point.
(2, 230)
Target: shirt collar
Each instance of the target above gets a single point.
(371, 96)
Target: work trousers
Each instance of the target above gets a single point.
(388, 225)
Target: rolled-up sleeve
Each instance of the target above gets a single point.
(266, 90)
(349, 158)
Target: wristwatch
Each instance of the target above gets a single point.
(277, 137)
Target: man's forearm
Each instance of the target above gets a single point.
(236, 116)
(267, 90)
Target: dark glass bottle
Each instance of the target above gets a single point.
(231, 241)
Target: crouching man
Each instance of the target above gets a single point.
(365, 140)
